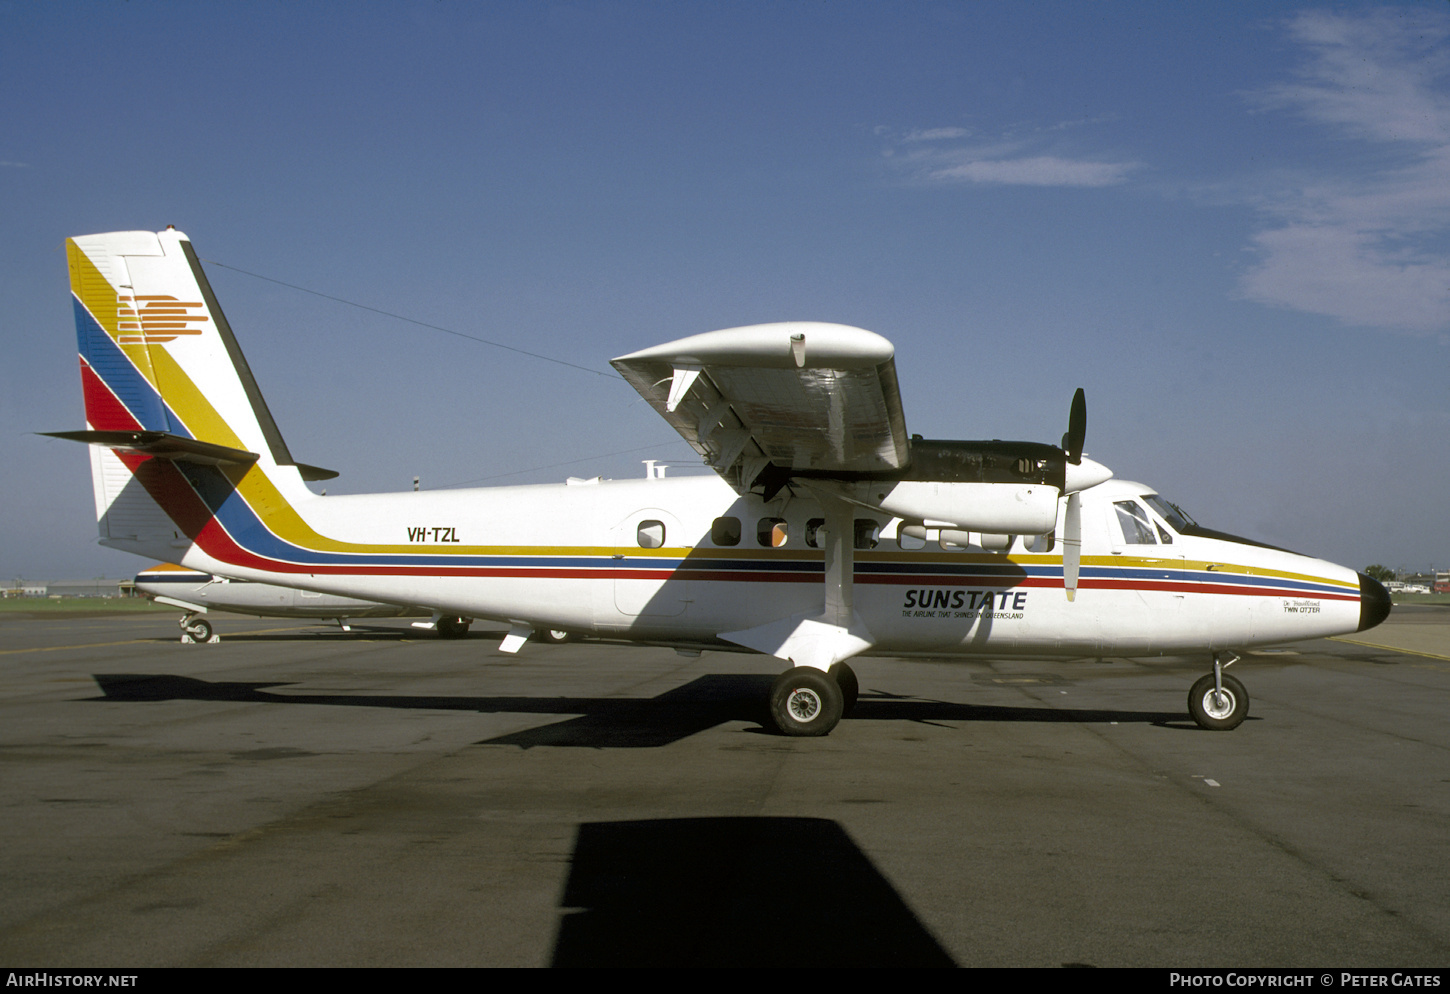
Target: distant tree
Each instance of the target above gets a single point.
(1380, 573)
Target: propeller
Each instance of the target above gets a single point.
(1071, 544)
(1076, 428)
(1072, 443)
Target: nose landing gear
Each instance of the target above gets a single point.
(1218, 702)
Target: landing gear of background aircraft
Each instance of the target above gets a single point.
(845, 678)
(1218, 710)
(555, 636)
(453, 628)
(195, 629)
(805, 701)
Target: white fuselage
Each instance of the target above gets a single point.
(579, 557)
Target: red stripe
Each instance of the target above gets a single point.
(104, 411)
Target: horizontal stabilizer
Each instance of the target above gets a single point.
(162, 445)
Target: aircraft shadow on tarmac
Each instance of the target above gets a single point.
(620, 722)
(718, 892)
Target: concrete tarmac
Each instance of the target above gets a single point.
(295, 796)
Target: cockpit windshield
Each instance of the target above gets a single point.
(1172, 513)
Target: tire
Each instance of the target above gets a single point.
(845, 678)
(453, 628)
(1218, 716)
(199, 630)
(805, 702)
(555, 636)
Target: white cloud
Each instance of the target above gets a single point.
(946, 155)
(935, 134)
(1365, 246)
(1350, 275)
(1037, 170)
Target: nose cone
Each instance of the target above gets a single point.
(1374, 602)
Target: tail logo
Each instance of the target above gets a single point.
(154, 319)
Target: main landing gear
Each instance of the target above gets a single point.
(453, 628)
(807, 702)
(1217, 701)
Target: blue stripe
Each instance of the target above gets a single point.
(118, 373)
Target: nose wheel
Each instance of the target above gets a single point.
(1218, 702)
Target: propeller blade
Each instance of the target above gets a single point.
(1071, 543)
(1076, 428)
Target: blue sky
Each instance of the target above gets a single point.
(1227, 221)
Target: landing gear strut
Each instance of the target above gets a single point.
(1217, 701)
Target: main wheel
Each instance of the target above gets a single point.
(453, 628)
(845, 678)
(805, 701)
(1218, 712)
(555, 636)
(199, 629)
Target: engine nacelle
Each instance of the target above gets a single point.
(1001, 508)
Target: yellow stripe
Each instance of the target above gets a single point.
(98, 296)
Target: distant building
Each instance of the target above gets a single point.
(95, 587)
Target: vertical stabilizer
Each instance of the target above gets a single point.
(156, 351)
(169, 396)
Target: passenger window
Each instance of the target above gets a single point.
(910, 537)
(1134, 521)
(725, 531)
(815, 528)
(954, 538)
(651, 534)
(866, 533)
(771, 532)
(1040, 543)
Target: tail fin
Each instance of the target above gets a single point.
(164, 383)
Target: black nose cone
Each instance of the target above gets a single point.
(1374, 602)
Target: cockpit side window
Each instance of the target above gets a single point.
(1137, 529)
(1177, 519)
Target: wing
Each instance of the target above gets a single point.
(779, 399)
